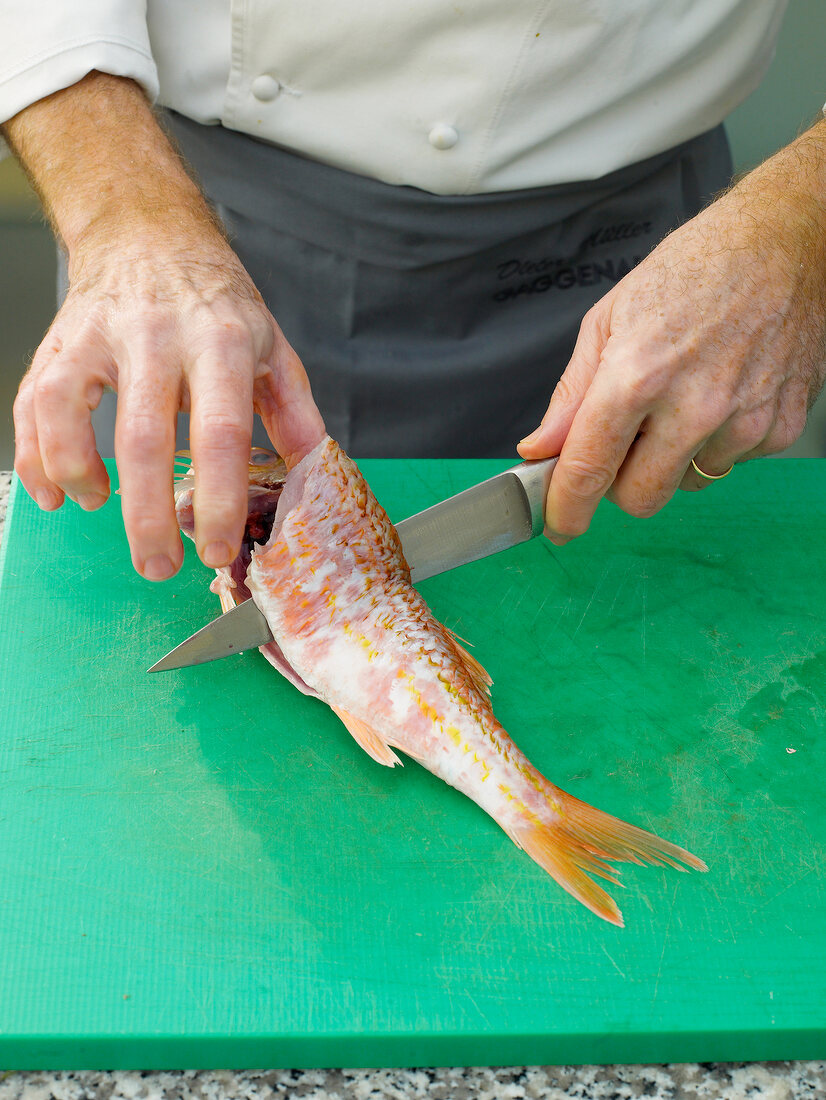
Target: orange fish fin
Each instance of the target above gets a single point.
(369, 739)
(582, 840)
(478, 675)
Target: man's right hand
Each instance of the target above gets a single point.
(159, 309)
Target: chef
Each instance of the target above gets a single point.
(441, 214)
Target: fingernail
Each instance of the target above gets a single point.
(216, 554)
(47, 499)
(530, 438)
(90, 501)
(158, 568)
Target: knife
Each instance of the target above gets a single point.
(494, 515)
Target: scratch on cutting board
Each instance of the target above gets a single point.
(564, 611)
(597, 587)
(469, 996)
(506, 596)
(584, 613)
(723, 909)
(417, 474)
(612, 961)
(201, 999)
(539, 611)
(789, 886)
(644, 579)
(665, 942)
(513, 608)
(502, 906)
(620, 587)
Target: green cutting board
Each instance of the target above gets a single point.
(202, 869)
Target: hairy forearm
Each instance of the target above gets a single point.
(778, 225)
(786, 194)
(102, 165)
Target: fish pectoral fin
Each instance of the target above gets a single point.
(372, 743)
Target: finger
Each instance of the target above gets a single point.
(702, 472)
(63, 394)
(743, 435)
(148, 402)
(570, 390)
(284, 401)
(654, 467)
(787, 425)
(27, 462)
(220, 427)
(601, 434)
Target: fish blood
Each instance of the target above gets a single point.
(324, 564)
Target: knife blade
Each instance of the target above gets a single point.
(492, 516)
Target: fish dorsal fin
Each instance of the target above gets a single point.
(478, 675)
(369, 739)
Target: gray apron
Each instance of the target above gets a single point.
(433, 325)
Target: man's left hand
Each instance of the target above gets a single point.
(712, 349)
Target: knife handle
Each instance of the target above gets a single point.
(535, 478)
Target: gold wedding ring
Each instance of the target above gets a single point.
(711, 477)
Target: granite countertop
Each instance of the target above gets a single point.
(753, 1081)
(691, 1081)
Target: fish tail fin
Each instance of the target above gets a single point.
(582, 841)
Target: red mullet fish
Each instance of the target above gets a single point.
(324, 564)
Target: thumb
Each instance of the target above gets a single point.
(285, 404)
(549, 437)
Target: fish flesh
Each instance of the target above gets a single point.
(324, 564)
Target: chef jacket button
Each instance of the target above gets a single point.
(265, 87)
(443, 136)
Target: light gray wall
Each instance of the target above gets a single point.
(792, 92)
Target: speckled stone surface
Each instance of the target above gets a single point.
(772, 1081)
(712, 1081)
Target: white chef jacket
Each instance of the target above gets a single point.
(450, 96)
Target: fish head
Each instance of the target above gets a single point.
(266, 468)
(267, 473)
